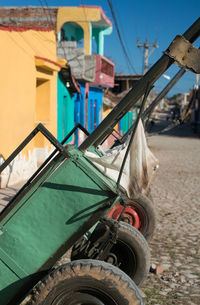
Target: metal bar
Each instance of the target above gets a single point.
(191, 102)
(111, 133)
(146, 114)
(148, 89)
(54, 152)
(73, 130)
(52, 139)
(185, 54)
(45, 132)
(174, 80)
(105, 128)
(52, 155)
(18, 149)
(155, 102)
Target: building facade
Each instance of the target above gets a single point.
(28, 88)
(81, 32)
(37, 86)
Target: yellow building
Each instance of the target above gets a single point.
(87, 21)
(28, 96)
(29, 82)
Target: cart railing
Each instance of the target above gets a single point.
(58, 148)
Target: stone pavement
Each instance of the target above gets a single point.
(176, 194)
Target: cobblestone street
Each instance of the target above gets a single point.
(176, 193)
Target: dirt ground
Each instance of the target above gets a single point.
(176, 194)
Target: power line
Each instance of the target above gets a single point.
(120, 23)
(49, 13)
(51, 22)
(44, 11)
(39, 34)
(119, 35)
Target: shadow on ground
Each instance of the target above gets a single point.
(166, 127)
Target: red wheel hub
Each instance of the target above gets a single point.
(129, 215)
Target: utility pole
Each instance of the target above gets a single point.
(146, 52)
(197, 81)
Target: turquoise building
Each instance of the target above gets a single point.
(68, 92)
(127, 121)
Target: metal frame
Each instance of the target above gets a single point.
(50, 137)
(133, 132)
(106, 126)
(148, 111)
(43, 168)
(46, 133)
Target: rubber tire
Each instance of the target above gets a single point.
(132, 252)
(130, 240)
(147, 214)
(104, 283)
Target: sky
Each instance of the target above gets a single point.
(159, 20)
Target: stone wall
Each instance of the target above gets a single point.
(28, 17)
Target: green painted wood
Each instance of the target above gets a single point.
(8, 277)
(20, 273)
(63, 205)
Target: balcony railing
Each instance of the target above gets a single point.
(104, 74)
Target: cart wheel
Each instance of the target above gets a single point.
(87, 282)
(130, 253)
(146, 211)
(140, 213)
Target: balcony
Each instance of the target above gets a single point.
(94, 68)
(104, 73)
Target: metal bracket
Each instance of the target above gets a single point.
(104, 239)
(184, 54)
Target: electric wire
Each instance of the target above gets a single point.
(47, 15)
(25, 40)
(119, 36)
(121, 27)
(49, 12)
(29, 43)
(52, 23)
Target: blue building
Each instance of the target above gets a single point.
(81, 33)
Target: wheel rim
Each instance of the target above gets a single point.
(134, 214)
(79, 298)
(124, 257)
(83, 296)
(129, 215)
